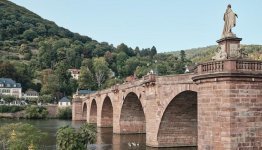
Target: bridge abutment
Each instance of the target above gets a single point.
(77, 114)
(229, 105)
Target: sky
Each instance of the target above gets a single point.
(169, 25)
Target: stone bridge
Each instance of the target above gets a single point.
(219, 107)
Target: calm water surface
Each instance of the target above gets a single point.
(106, 140)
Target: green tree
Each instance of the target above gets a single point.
(7, 70)
(130, 66)
(65, 113)
(182, 56)
(101, 70)
(162, 69)
(86, 80)
(180, 68)
(18, 136)
(153, 51)
(141, 71)
(47, 55)
(9, 98)
(63, 76)
(29, 34)
(123, 48)
(120, 62)
(46, 98)
(51, 85)
(36, 112)
(24, 75)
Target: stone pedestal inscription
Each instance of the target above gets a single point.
(228, 48)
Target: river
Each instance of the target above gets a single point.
(106, 140)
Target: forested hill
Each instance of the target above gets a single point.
(21, 26)
(37, 53)
(203, 54)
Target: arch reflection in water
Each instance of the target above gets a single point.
(106, 140)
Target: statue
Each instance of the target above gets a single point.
(230, 22)
(229, 45)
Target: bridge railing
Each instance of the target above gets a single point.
(210, 67)
(230, 65)
(249, 65)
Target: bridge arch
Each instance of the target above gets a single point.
(107, 113)
(178, 126)
(93, 112)
(132, 116)
(84, 112)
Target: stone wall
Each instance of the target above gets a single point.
(52, 111)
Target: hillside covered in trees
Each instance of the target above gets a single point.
(38, 53)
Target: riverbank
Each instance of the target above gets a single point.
(19, 114)
(52, 113)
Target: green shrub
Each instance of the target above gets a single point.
(78, 139)
(65, 113)
(10, 109)
(36, 112)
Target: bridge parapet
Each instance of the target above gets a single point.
(229, 67)
(175, 79)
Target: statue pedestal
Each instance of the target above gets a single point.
(230, 46)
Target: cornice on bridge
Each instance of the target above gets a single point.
(147, 81)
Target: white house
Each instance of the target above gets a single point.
(31, 95)
(10, 87)
(64, 102)
(74, 73)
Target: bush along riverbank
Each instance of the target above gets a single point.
(64, 113)
(7, 111)
(27, 112)
(35, 112)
